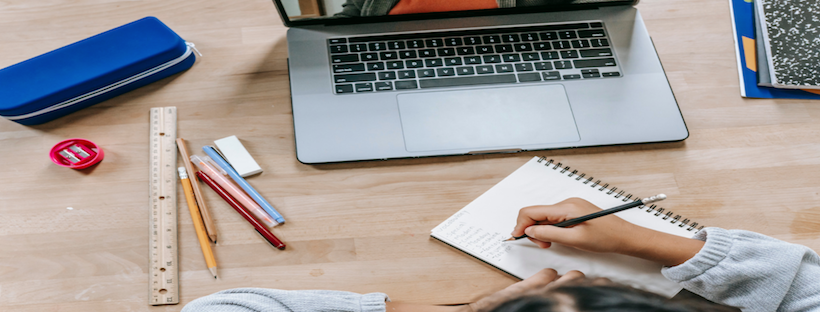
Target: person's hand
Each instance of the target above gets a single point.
(536, 285)
(604, 234)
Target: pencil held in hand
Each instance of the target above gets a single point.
(602, 213)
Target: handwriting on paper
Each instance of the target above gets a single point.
(484, 244)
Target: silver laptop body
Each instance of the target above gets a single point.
(345, 112)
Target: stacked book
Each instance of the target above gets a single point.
(778, 47)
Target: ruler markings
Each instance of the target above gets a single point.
(164, 265)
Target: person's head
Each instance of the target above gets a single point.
(600, 297)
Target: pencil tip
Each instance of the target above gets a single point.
(213, 271)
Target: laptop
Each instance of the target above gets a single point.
(383, 79)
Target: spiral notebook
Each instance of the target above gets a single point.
(479, 228)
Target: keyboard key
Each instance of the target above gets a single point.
(559, 45)
(580, 44)
(503, 68)
(406, 74)
(336, 40)
(415, 44)
(567, 34)
(433, 62)
(375, 66)
(491, 39)
(452, 61)
(358, 47)
(529, 37)
(414, 63)
(552, 55)
(466, 81)
(377, 46)
(387, 75)
(492, 59)
(569, 54)
(591, 75)
(452, 42)
(465, 71)
(338, 49)
(572, 76)
(553, 75)
(472, 40)
(563, 64)
(550, 35)
(543, 66)
(589, 71)
(524, 67)
(484, 49)
(612, 74)
(594, 63)
(423, 73)
(406, 54)
(485, 69)
(434, 43)
(446, 71)
(530, 77)
(472, 60)
(344, 88)
(465, 51)
(511, 58)
(364, 87)
(410, 84)
(510, 38)
(347, 68)
(427, 53)
(370, 57)
(599, 43)
(344, 58)
(384, 86)
(596, 52)
(395, 45)
(531, 56)
(522, 47)
(541, 46)
(446, 52)
(596, 25)
(392, 55)
(594, 33)
(395, 65)
(354, 78)
(502, 48)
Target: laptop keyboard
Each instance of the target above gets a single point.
(544, 53)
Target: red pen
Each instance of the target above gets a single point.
(241, 210)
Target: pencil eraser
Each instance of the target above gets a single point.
(236, 155)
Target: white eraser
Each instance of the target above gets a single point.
(236, 155)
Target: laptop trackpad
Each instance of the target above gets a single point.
(486, 119)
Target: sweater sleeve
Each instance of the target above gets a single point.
(275, 300)
(751, 271)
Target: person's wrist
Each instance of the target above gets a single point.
(634, 240)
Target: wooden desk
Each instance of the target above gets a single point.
(362, 227)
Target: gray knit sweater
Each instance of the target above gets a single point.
(744, 269)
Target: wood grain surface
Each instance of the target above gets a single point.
(78, 240)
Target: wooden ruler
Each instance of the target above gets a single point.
(163, 278)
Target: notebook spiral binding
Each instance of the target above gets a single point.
(658, 211)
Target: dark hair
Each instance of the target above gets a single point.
(608, 298)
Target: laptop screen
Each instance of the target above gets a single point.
(352, 10)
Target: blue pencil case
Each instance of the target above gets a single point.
(92, 70)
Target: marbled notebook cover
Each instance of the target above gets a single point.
(792, 40)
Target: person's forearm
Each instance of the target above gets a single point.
(410, 307)
(667, 249)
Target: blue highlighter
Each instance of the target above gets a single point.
(243, 184)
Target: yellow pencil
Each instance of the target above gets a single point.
(200, 228)
(200, 201)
